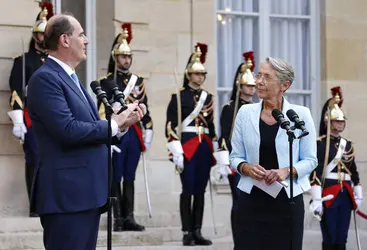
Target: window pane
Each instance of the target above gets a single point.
(304, 100)
(290, 7)
(235, 36)
(238, 5)
(222, 98)
(291, 42)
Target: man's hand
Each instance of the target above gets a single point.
(134, 113)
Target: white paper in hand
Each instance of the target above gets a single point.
(272, 189)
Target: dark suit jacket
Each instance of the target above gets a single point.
(72, 172)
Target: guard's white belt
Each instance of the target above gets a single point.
(335, 176)
(192, 129)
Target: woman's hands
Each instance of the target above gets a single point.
(276, 175)
(257, 172)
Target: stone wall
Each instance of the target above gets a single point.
(161, 43)
(345, 64)
(16, 20)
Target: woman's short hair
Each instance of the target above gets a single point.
(283, 69)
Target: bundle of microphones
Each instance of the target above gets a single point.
(110, 87)
(285, 124)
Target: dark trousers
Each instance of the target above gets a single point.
(71, 231)
(31, 159)
(336, 219)
(126, 162)
(196, 172)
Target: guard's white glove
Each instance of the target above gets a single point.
(178, 159)
(316, 206)
(358, 195)
(221, 172)
(19, 128)
(224, 171)
(215, 146)
(148, 136)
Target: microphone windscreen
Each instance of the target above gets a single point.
(291, 114)
(94, 85)
(110, 84)
(276, 113)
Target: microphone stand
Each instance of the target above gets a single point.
(291, 138)
(111, 200)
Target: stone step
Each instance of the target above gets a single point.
(26, 224)
(150, 237)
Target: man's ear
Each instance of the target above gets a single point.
(64, 40)
(285, 86)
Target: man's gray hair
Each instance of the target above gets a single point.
(283, 69)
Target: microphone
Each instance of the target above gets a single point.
(117, 94)
(101, 95)
(279, 117)
(298, 123)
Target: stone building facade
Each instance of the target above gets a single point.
(162, 41)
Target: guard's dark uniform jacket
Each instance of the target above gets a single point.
(346, 169)
(134, 136)
(33, 61)
(226, 120)
(337, 212)
(18, 100)
(201, 128)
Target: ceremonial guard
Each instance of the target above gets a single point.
(336, 189)
(242, 93)
(139, 137)
(23, 68)
(191, 139)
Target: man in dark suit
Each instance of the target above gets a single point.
(71, 181)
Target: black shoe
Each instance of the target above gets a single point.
(131, 225)
(188, 239)
(200, 240)
(33, 214)
(118, 225)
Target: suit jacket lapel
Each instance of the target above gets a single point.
(69, 82)
(91, 103)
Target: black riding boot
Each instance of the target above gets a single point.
(340, 247)
(118, 225)
(29, 172)
(186, 218)
(329, 246)
(198, 213)
(128, 207)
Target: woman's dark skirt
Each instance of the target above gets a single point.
(264, 223)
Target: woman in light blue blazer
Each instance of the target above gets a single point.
(260, 152)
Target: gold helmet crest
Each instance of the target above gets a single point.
(335, 112)
(122, 46)
(196, 64)
(246, 75)
(45, 14)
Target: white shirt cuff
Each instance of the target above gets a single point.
(114, 128)
(121, 133)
